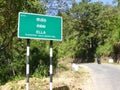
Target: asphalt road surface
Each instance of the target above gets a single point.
(105, 76)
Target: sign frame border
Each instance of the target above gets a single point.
(39, 15)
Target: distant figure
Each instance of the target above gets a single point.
(98, 60)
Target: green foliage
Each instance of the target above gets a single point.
(87, 24)
(12, 49)
(66, 48)
(40, 60)
(112, 24)
(90, 30)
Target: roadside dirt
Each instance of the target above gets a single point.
(64, 79)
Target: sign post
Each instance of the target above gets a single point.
(51, 67)
(27, 64)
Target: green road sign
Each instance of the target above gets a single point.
(37, 26)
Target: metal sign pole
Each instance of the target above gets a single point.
(27, 64)
(51, 67)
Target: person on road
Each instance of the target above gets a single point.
(98, 60)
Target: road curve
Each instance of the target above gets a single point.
(105, 76)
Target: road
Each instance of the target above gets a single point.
(105, 76)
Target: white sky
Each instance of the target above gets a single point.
(104, 1)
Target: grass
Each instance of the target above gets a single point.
(64, 79)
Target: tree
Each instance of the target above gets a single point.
(118, 3)
(86, 1)
(111, 43)
(12, 49)
(87, 23)
(53, 7)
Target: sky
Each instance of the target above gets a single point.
(105, 1)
